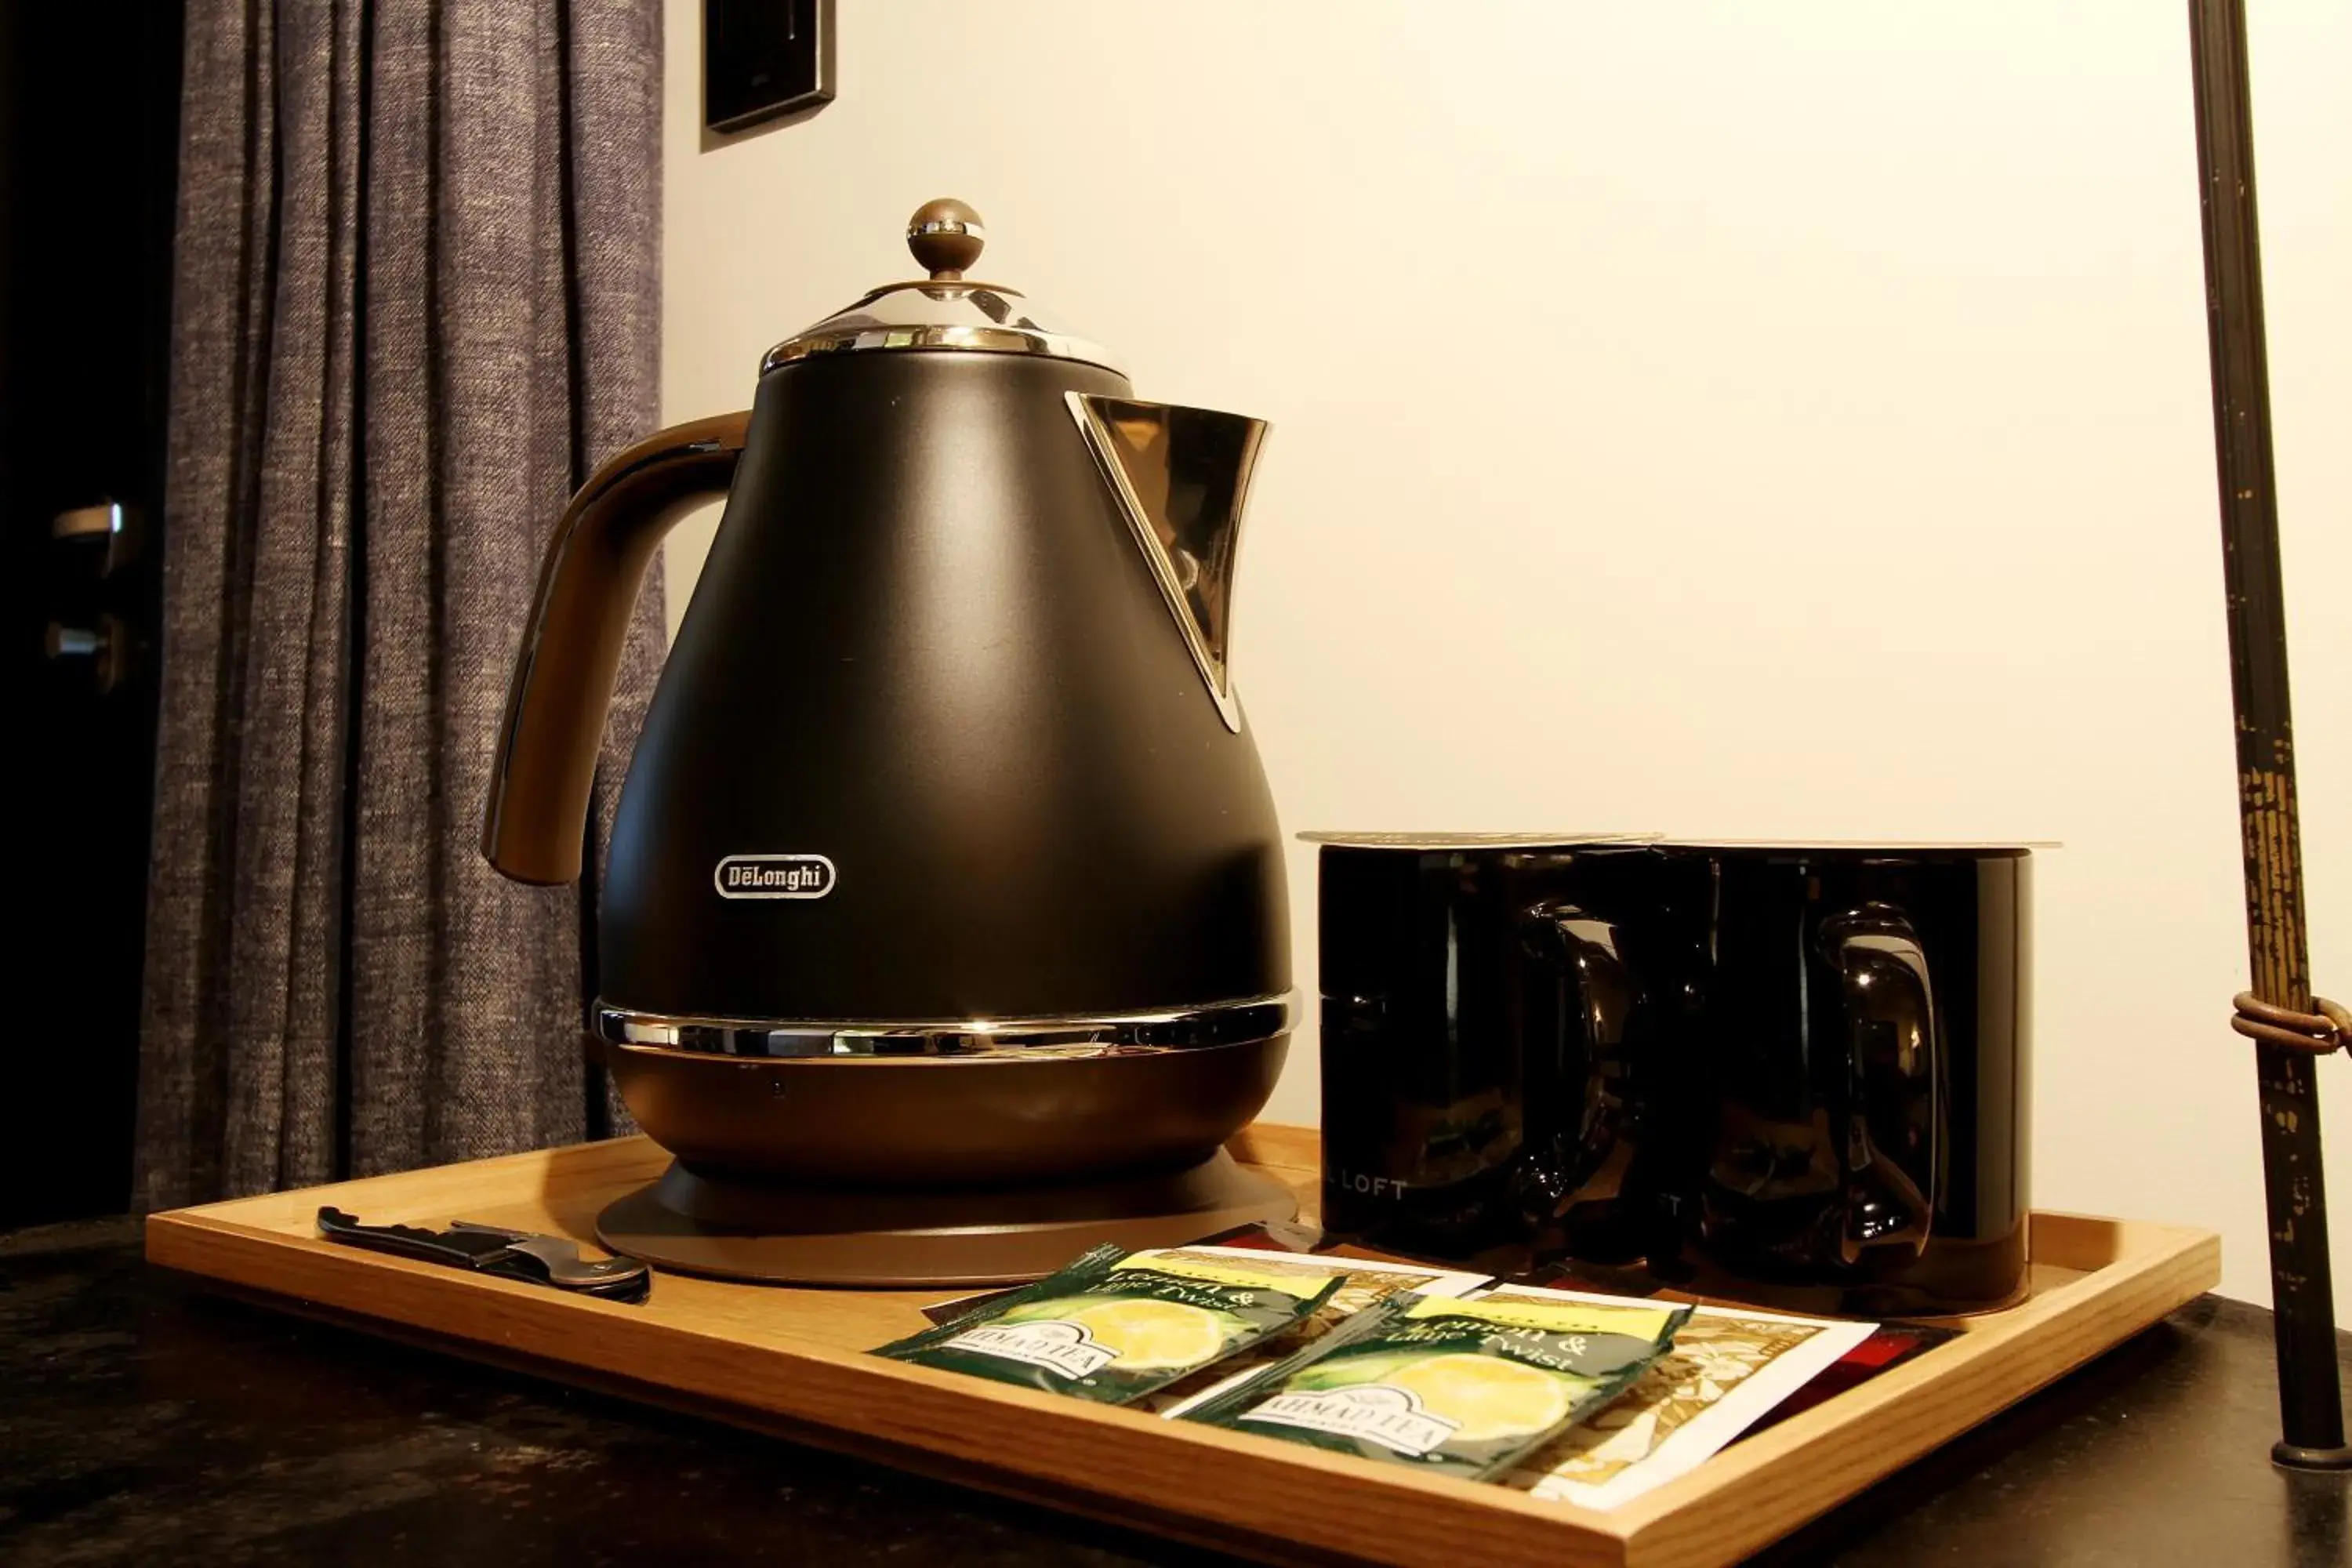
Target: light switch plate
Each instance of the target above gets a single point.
(761, 58)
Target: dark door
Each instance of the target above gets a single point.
(90, 104)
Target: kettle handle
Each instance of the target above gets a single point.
(545, 766)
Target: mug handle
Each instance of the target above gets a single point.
(1890, 1201)
(1582, 949)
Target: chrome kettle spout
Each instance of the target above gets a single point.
(1181, 477)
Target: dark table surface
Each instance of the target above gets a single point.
(143, 1420)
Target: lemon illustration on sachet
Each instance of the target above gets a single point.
(1115, 1325)
(1487, 1396)
(1151, 1334)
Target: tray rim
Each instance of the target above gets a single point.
(1275, 1500)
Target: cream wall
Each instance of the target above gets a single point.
(1735, 419)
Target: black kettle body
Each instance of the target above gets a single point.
(943, 774)
(928, 656)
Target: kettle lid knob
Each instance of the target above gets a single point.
(946, 236)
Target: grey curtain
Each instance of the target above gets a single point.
(416, 301)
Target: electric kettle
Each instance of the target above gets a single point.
(944, 928)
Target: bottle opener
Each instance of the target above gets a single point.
(526, 1255)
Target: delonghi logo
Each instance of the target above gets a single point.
(774, 877)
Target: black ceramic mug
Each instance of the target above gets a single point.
(1791, 1073)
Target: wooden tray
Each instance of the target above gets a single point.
(788, 1361)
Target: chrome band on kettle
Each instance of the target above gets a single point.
(1130, 1033)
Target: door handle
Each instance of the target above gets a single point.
(108, 525)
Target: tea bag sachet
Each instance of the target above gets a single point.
(1364, 1283)
(1461, 1388)
(1116, 1325)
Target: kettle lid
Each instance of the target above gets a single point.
(944, 310)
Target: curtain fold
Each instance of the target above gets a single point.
(416, 295)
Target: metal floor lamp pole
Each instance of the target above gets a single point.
(2289, 1030)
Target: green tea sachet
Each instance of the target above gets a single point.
(1116, 1325)
(1461, 1387)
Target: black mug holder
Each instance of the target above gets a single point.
(1726, 1067)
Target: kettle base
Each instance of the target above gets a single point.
(701, 1224)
